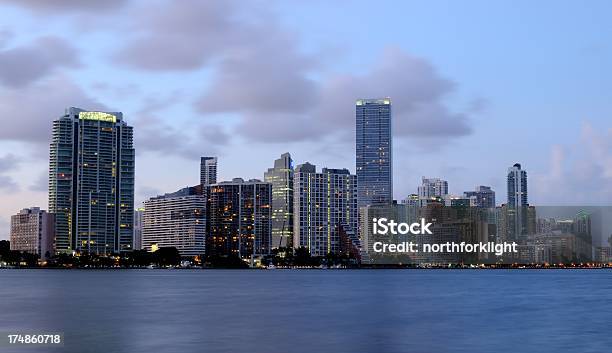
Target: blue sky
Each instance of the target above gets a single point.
(476, 86)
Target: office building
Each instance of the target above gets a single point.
(517, 202)
(91, 182)
(208, 170)
(483, 197)
(239, 218)
(176, 220)
(374, 160)
(32, 231)
(281, 179)
(322, 202)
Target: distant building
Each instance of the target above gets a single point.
(176, 220)
(322, 202)
(208, 170)
(458, 201)
(411, 200)
(239, 218)
(32, 231)
(281, 179)
(432, 189)
(91, 182)
(138, 223)
(374, 151)
(483, 196)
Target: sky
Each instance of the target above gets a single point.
(476, 86)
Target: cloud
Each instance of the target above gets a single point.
(27, 113)
(280, 93)
(579, 173)
(7, 164)
(417, 91)
(180, 35)
(62, 6)
(26, 64)
(42, 183)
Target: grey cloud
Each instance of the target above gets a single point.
(417, 91)
(270, 76)
(27, 113)
(7, 164)
(180, 35)
(154, 135)
(41, 183)
(23, 65)
(215, 135)
(63, 6)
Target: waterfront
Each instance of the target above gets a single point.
(311, 310)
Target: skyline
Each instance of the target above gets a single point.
(445, 111)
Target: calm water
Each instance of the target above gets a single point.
(312, 311)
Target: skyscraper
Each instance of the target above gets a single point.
(176, 220)
(517, 202)
(322, 203)
(208, 170)
(239, 215)
(91, 182)
(281, 178)
(374, 151)
(32, 231)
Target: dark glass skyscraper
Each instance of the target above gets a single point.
(91, 182)
(374, 151)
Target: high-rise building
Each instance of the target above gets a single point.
(374, 151)
(517, 202)
(91, 182)
(208, 170)
(32, 231)
(322, 202)
(176, 220)
(483, 196)
(138, 223)
(432, 189)
(281, 178)
(239, 218)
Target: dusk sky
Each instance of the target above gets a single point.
(476, 86)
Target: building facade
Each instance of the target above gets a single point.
(91, 182)
(322, 202)
(374, 160)
(208, 170)
(281, 179)
(239, 218)
(176, 220)
(483, 196)
(32, 231)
